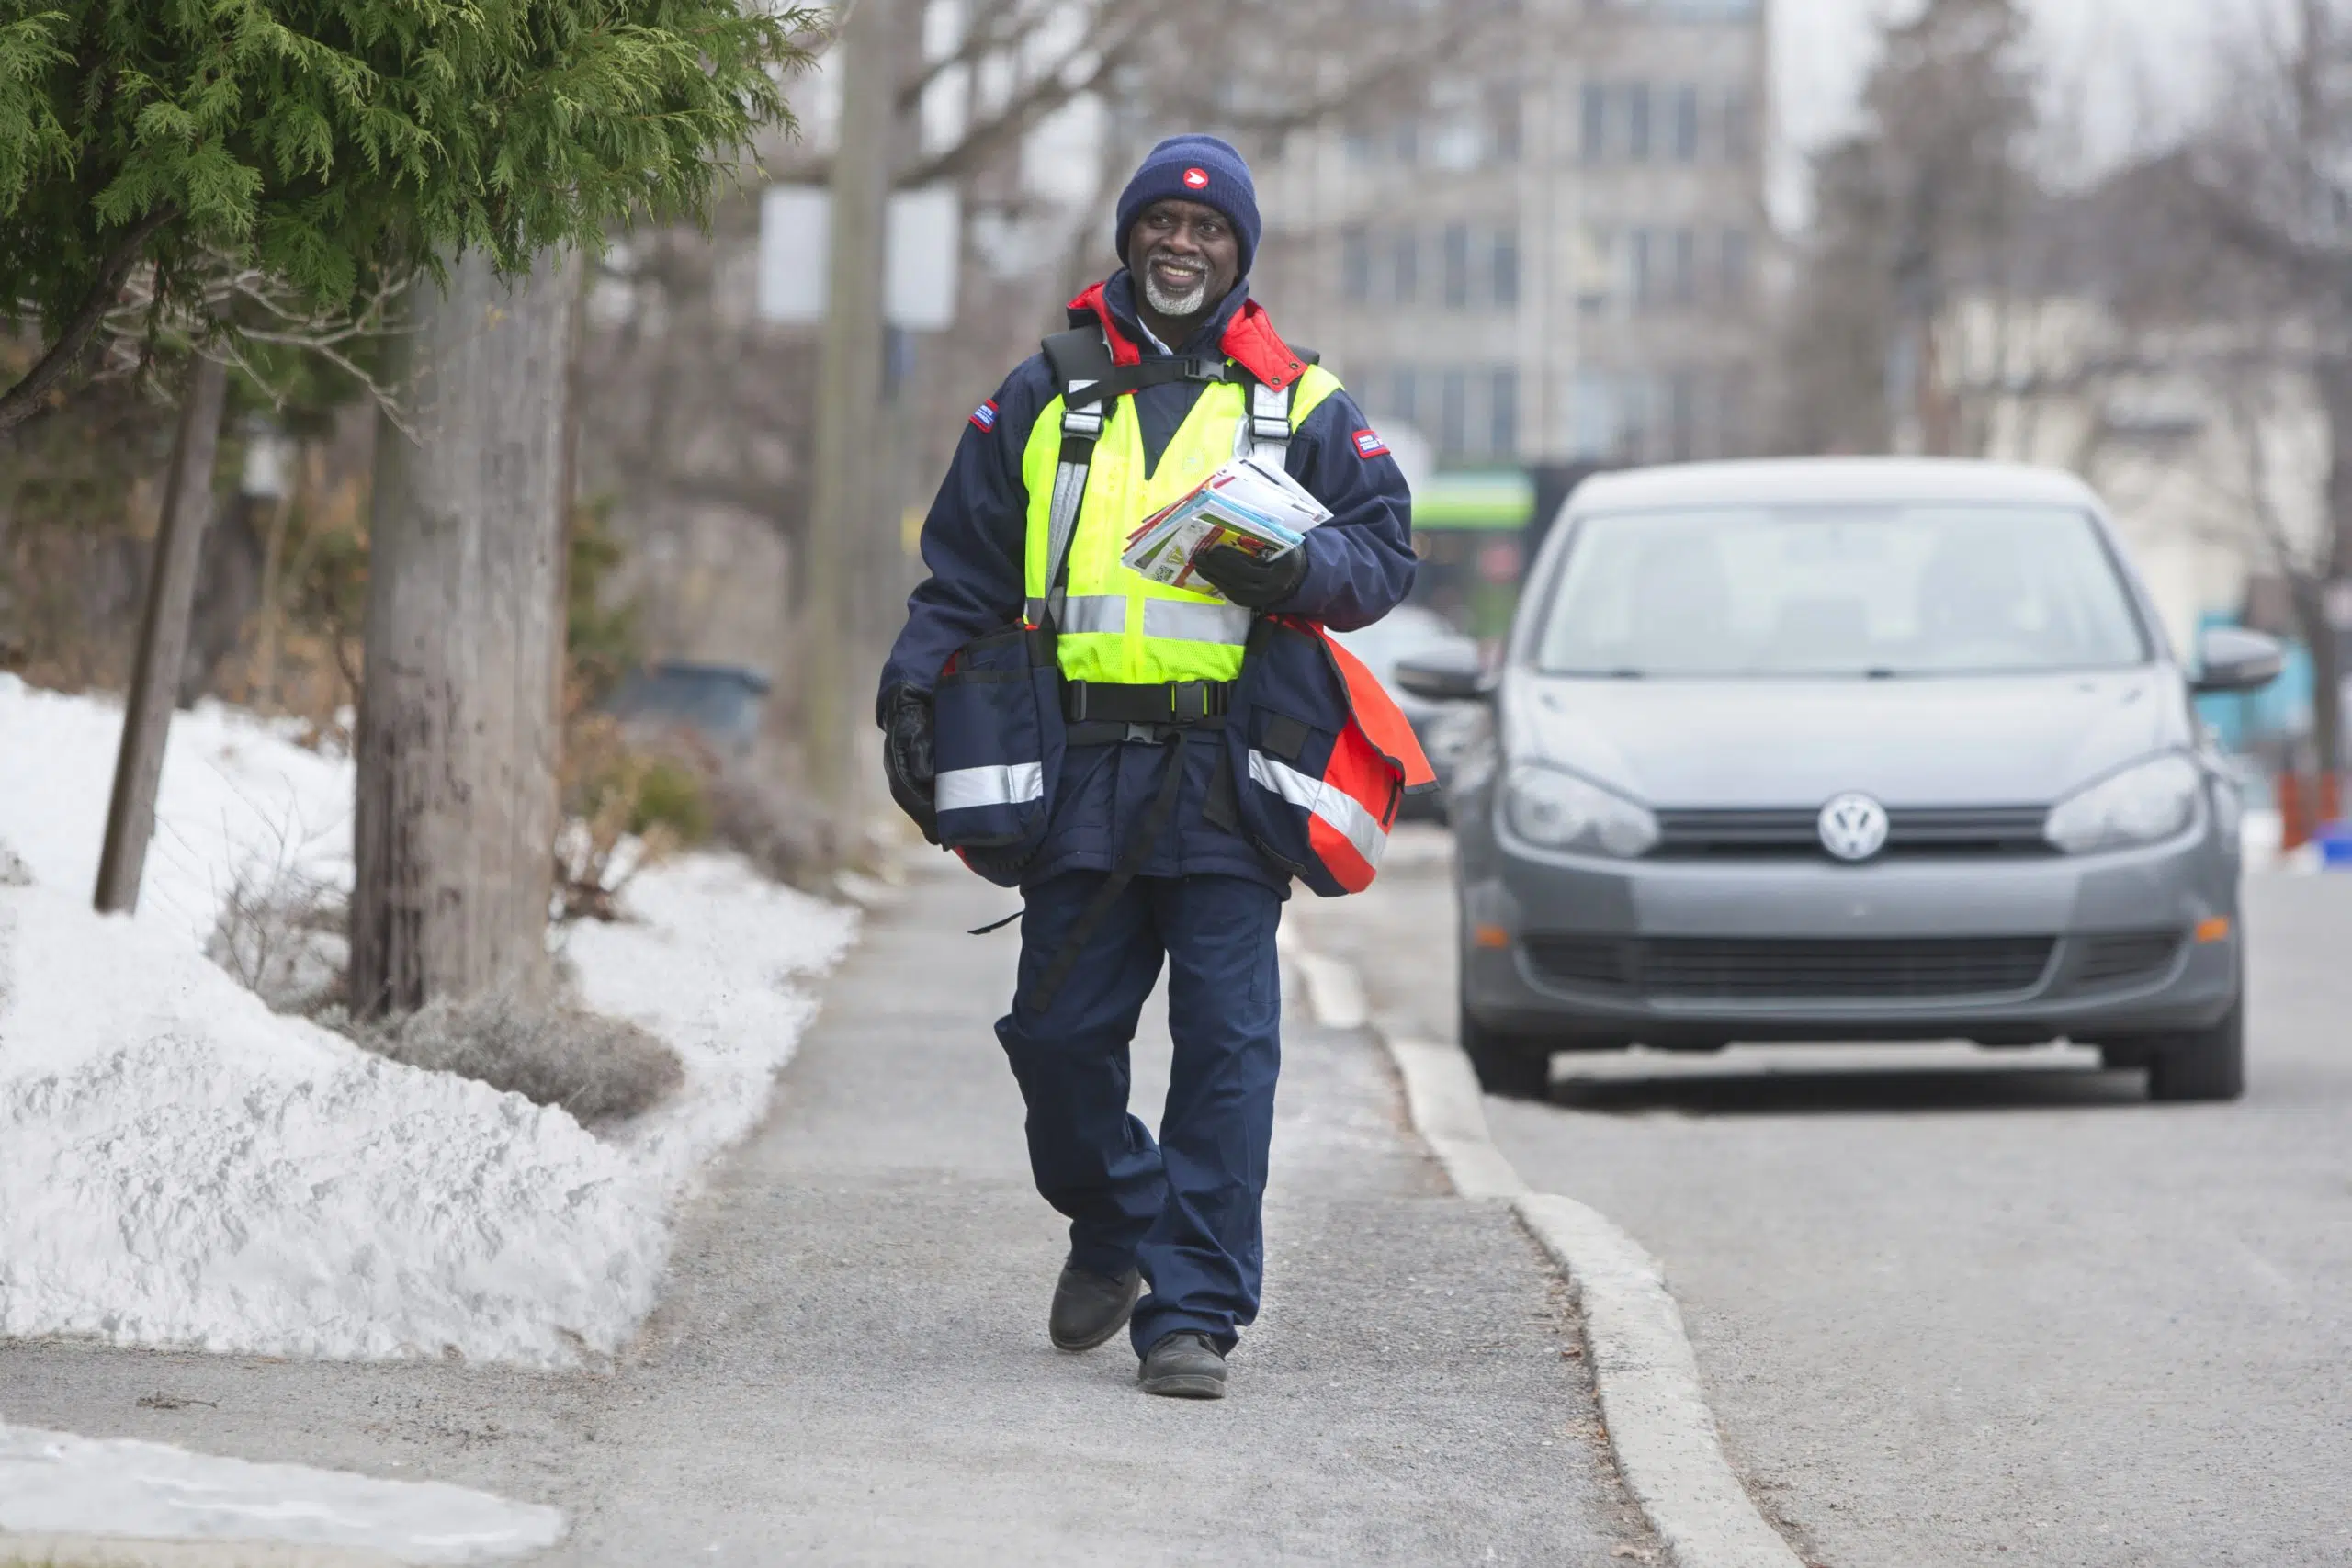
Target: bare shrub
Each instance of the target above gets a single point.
(774, 825)
(630, 802)
(285, 937)
(598, 1068)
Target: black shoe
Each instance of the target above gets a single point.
(1089, 1308)
(1184, 1365)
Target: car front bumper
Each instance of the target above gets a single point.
(1600, 954)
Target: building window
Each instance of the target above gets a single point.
(1737, 266)
(1638, 122)
(1731, 416)
(1506, 270)
(1594, 260)
(1404, 269)
(1598, 420)
(1454, 411)
(1686, 125)
(1502, 413)
(1639, 245)
(1355, 265)
(1506, 121)
(1683, 287)
(1404, 395)
(1681, 415)
(1739, 126)
(1596, 121)
(1457, 267)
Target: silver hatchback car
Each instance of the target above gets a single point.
(1846, 749)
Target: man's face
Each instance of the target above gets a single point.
(1186, 257)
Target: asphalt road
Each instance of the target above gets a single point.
(849, 1366)
(1955, 1306)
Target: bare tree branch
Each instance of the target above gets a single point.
(21, 402)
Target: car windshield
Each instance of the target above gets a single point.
(1850, 592)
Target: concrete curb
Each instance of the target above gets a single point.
(1660, 1428)
(125, 1552)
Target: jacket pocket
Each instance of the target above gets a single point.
(998, 739)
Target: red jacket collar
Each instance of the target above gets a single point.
(1250, 339)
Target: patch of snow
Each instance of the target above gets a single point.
(237, 797)
(180, 1167)
(54, 1482)
(713, 964)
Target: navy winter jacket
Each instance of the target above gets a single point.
(1360, 566)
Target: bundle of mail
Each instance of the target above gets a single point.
(1249, 504)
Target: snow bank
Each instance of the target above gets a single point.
(55, 1483)
(237, 797)
(180, 1167)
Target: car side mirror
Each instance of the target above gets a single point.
(1446, 675)
(2231, 658)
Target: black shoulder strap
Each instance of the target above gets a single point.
(1077, 356)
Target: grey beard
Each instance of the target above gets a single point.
(1177, 307)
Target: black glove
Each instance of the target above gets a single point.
(905, 714)
(1255, 581)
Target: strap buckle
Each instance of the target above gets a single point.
(1188, 701)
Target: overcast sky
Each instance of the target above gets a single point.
(2128, 63)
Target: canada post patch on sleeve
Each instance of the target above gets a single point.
(1369, 445)
(985, 416)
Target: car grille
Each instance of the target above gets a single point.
(1911, 831)
(2124, 956)
(1731, 969)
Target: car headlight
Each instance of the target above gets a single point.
(2139, 805)
(1560, 811)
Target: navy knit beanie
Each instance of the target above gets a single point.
(1195, 168)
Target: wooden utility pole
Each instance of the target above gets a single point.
(162, 638)
(460, 712)
(850, 426)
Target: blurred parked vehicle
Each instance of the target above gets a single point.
(1846, 749)
(1412, 632)
(719, 702)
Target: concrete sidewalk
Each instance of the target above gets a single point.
(851, 1364)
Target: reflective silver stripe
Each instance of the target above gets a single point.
(1336, 806)
(1103, 614)
(1184, 620)
(960, 789)
(1069, 495)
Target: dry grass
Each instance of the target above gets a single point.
(599, 1069)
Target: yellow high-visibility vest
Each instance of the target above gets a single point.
(1115, 626)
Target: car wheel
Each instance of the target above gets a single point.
(2206, 1063)
(1507, 1064)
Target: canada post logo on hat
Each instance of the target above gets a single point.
(1196, 179)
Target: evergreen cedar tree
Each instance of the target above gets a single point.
(333, 143)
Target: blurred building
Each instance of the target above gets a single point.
(1551, 254)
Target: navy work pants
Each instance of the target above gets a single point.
(1184, 1208)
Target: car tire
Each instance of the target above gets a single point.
(1507, 1064)
(2203, 1064)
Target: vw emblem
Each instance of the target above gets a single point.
(1853, 827)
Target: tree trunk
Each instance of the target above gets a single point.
(2333, 376)
(162, 639)
(459, 722)
(842, 511)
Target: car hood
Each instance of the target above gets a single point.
(2009, 740)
